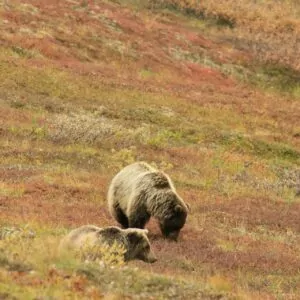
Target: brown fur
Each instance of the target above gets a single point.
(138, 192)
(135, 241)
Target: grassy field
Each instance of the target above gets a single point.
(87, 87)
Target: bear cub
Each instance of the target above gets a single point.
(133, 240)
(138, 192)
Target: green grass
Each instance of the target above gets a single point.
(277, 77)
(260, 148)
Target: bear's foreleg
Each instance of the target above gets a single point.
(138, 214)
(120, 216)
(138, 220)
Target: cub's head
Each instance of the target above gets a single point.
(175, 214)
(139, 245)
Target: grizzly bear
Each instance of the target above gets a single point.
(133, 240)
(138, 192)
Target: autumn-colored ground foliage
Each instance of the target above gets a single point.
(206, 91)
(269, 29)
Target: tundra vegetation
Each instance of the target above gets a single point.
(206, 91)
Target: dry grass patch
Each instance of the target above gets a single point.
(84, 128)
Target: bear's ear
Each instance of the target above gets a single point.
(178, 208)
(134, 238)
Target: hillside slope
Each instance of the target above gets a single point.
(87, 87)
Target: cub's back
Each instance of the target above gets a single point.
(79, 236)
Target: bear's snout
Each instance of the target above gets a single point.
(151, 258)
(173, 235)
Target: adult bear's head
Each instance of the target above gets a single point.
(173, 216)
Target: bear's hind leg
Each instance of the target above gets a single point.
(121, 217)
